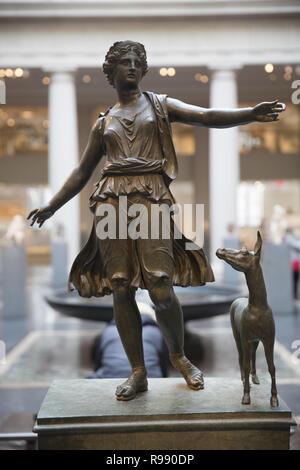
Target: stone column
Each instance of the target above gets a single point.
(223, 164)
(63, 153)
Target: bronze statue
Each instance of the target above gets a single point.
(252, 319)
(135, 136)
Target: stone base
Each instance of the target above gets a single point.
(84, 414)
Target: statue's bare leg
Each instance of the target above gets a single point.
(170, 320)
(129, 325)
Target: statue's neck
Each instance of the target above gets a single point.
(128, 96)
(256, 286)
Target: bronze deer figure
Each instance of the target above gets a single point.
(252, 318)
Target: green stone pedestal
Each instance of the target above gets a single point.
(84, 414)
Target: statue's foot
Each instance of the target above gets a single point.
(193, 376)
(135, 384)
(255, 379)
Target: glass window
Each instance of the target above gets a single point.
(282, 137)
(23, 130)
(250, 204)
(184, 139)
(260, 201)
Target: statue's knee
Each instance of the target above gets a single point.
(120, 285)
(161, 296)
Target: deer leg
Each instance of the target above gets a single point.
(237, 339)
(246, 371)
(240, 352)
(269, 353)
(254, 345)
(241, 364)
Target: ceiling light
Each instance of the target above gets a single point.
(171, 72)
(27, 114)
(163, 71)
(19, 72)
(86, 78)
(204, 79)
(269, 68)
(9, 73)
(10, 122)
(46, 80)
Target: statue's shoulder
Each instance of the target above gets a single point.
(156, 96)
(159, 102)
(104, 114)
(101, 119)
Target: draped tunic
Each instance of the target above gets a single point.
(140, 164)
(134, 157)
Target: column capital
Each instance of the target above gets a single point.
(61, 76)
(59, 69)
(225, 67)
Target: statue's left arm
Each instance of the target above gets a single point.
(221, 118)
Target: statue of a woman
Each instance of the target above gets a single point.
(135, 137)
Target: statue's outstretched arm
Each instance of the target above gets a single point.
(222, 118)
(77, 179)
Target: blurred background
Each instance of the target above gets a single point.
(209, 53)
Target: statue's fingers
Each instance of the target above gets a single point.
(32, 213)
(280, 107)
(269, 106)
(272, 116)
(35, 219)
(41, 223)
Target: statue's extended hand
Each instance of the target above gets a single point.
(40, 215)
(268, 111)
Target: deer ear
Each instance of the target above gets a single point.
(258, 244)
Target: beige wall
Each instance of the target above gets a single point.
(29, 169)
(260, 166)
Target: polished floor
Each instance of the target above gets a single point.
(42, 345)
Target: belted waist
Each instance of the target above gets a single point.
(112, 184)
(133, 166)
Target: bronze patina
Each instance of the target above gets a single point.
(135, 137)
(252, 319)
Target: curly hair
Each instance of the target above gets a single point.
(117, 50)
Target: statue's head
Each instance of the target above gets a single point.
(117, 51)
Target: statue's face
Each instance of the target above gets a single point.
(128, 72)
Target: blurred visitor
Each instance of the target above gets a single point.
(294, 245)
(277, 224)
(109, 356)
(16, 230)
